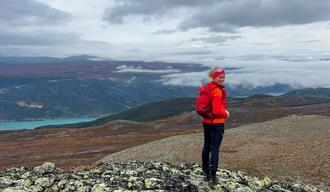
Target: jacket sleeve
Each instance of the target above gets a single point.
(218, 107)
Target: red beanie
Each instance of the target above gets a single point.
(218, 71)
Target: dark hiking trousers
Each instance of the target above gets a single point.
(213, 134)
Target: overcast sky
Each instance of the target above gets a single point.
(284, 39)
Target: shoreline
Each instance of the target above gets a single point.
(44, 119)
(10, 129)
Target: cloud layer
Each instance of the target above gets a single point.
(140, 69)
(30, 12)
(277, 39)
(221, 15)
(252, 75)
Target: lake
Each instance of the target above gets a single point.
(19, 125)
(33, 124)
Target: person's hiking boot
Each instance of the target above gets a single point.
(213, 177)
(207, 174)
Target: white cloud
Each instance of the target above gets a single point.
(140, 69)
(253, 74)
(195, 79)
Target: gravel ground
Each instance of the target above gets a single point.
(139, 176)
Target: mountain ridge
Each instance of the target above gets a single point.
(167, 108)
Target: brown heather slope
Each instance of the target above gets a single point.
(294, 148)
(76, 147)
(81, 147)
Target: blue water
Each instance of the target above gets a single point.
(240, 97)
(33, 124)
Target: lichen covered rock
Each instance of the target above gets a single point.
(138, 176)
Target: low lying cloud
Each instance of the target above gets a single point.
(295, 74)
(252, 74)
(194, 79)
(140, 69)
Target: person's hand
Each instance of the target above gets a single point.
(227, 113)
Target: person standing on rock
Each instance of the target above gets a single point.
(213, 121)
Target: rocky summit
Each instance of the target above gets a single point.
(137, 176)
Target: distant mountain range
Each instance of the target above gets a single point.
(34, 88)
(46, 60)
(259, 103)
(317, 92)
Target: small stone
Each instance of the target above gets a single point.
(61, 184)
(198, 171)
(266, 181)
(6, 180)
(36, 188)
(232, 185)
(44, 182)
(100, 188)
(244, 189)
(78, 184)
(151, 183)
(70, 185)
(13, 189)
(44, 168)
(55, 188)
(24, 182)
(26, 175)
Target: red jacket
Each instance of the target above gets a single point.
(218, 104)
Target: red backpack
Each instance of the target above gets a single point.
(204, 101)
